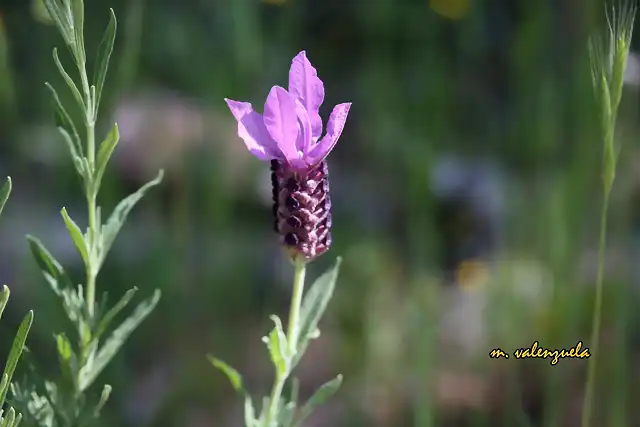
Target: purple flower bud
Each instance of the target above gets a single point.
(302, 208)
(289, 135)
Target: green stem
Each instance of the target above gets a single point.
(91, 207)
(587, 408)
(90, 296)
(296, 303)
(292, 336)
(276, 392)
(93, 230)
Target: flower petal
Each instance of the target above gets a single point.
(305, 84)
(252, 131)
(334, 130)
(281, 121)
(304, 141)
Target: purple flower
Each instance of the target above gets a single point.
(290, 129)
(289, 135)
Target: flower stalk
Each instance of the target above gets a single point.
(296, 303)
(300, 267)
(608, 57)
(289, 135)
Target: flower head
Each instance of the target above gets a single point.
(289, 135)
(290, 129)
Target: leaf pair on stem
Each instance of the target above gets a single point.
(286, 350)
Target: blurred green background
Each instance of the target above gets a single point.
(466, 194)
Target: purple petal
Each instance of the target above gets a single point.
(305, 84)
(334, 130)
(281, 121)
(304, 141)
(252, 130)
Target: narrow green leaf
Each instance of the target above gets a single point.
(249, 413)
(85, 332)
(18, 420)
(233, 376)
(59, 282)
(111, 229)
(277, 345)
(76, 236)
(9, 418)
(4, 298)
(51, 269)
(104, 154)
(321, 395)
(104, 396)
(16, 350)
(66, 357)
(92, 91)
(69, 80)
(113, 312)
(5, 384)
(64, 347)
(63, 120)
(286, 414)
(314, 305)
(89, 373)
(60, 19)
(4, 193)
(77, 160)
(78, 26)
(103, 57)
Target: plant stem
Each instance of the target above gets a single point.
(296, 303)
(276, 392)
(292, 336)
(587, 408)
(90, 296)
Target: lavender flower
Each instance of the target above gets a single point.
(289, 135)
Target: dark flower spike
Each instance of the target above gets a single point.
(289, 135)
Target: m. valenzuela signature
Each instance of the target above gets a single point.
(535, 351)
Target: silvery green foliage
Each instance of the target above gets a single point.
(289, 412)
(9, 417)
(91, 340)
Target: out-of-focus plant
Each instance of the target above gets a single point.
(91, 342)
(608, 54)
(452, 9)
(9, 417)
(289, 136)
(7, 95)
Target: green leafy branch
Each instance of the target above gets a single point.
(85, 354)
(10, 417)
(286, 350)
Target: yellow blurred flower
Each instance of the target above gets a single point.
(472, 274)
(452, 9)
